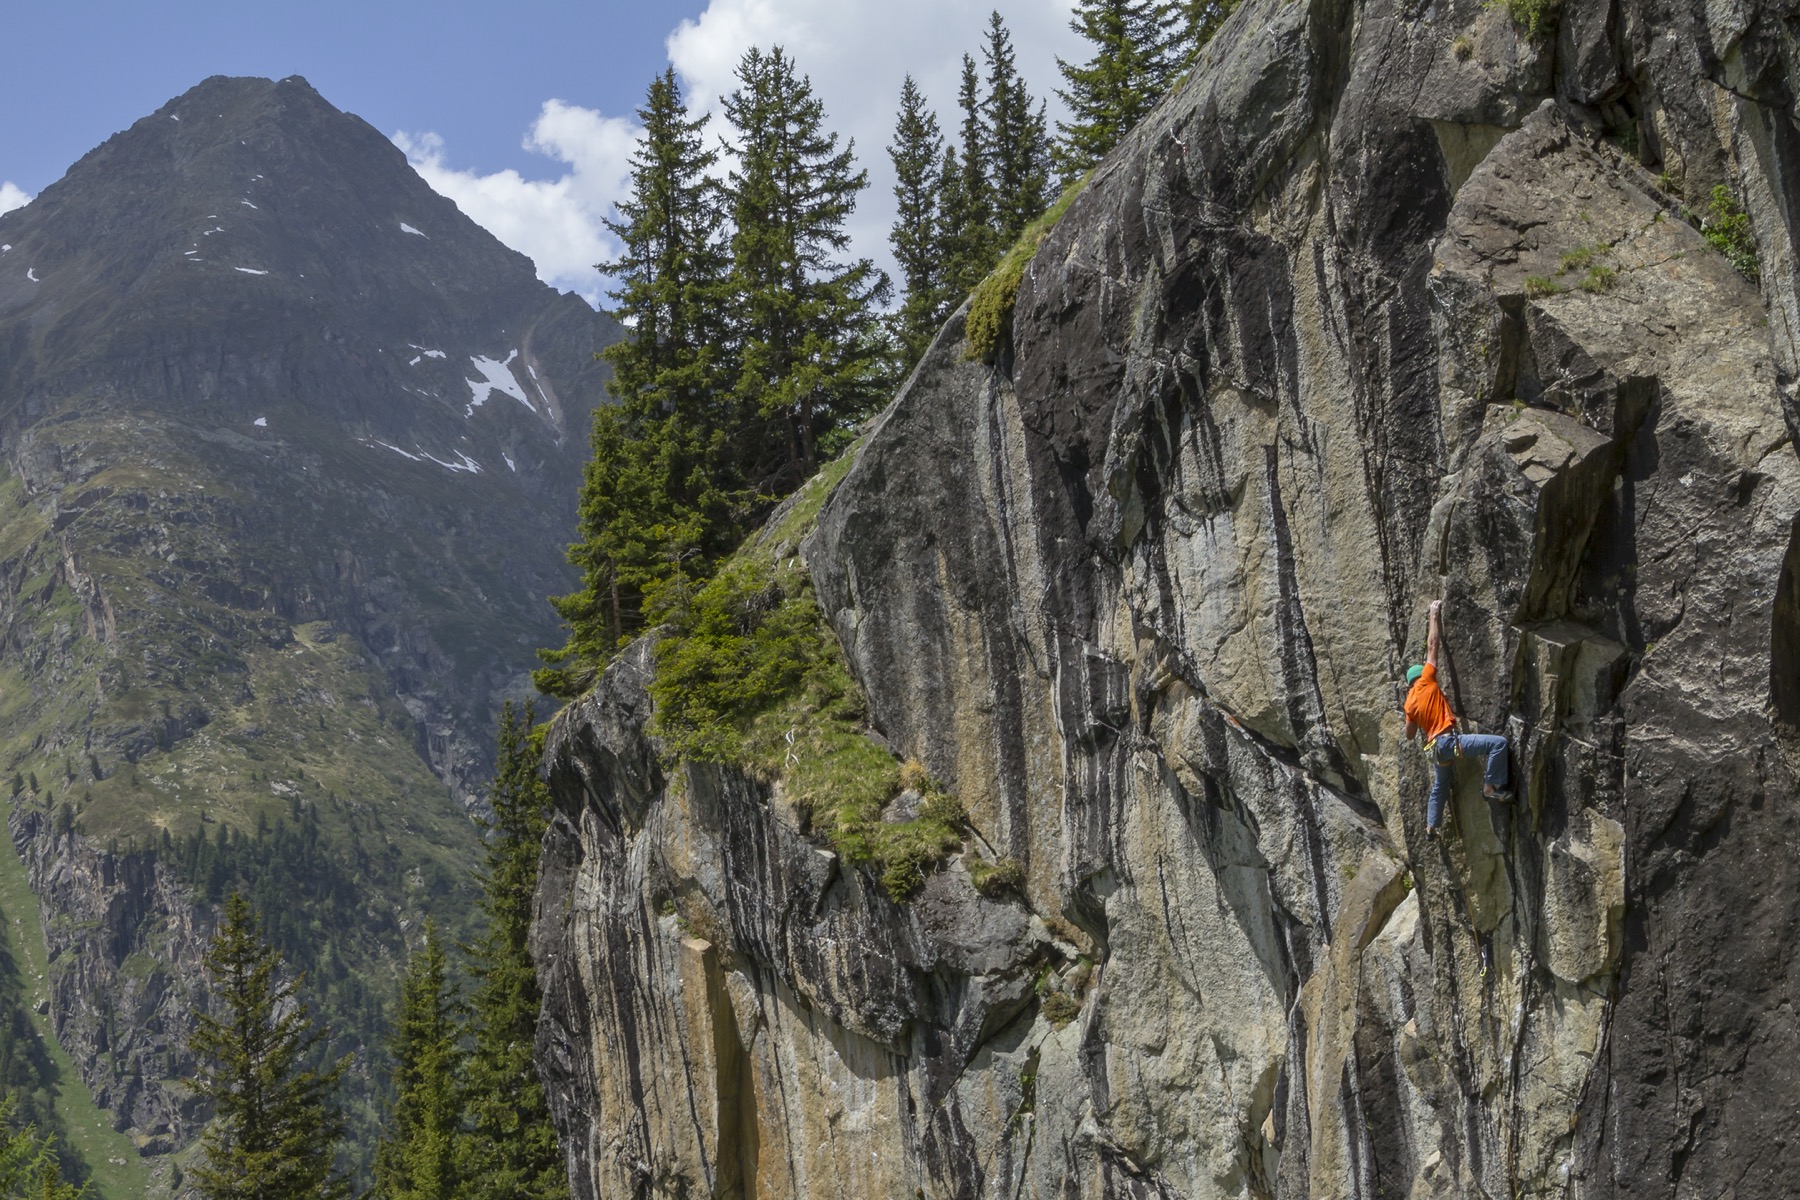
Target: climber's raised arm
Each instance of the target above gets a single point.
(1435, 637)
(1427, 711)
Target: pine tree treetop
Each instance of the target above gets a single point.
(277, 1126)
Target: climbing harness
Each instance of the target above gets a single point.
(1450, 738)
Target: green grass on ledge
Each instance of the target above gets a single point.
(991, 306)
(749, 673)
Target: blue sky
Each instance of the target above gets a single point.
(479, 69)
(520, 112)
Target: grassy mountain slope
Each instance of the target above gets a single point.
(289, 449)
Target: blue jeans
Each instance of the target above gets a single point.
(1443, 757)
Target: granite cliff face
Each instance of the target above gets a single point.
(1390, 302)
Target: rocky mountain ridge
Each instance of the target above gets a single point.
(289, 451)
(1390, 302)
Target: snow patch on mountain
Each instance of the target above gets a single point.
(394, 448)
(463, 462)
(405, 228)
(250, 271)
(497, 377)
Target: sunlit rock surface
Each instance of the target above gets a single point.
(1388, 303)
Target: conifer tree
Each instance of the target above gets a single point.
(657, 500)
(421, 1153)
(1020, 156)
(276, 1124)
(970, 245)
(1135, 57)
(917, 152)
(812, 356)
(512, 1152)
(30, 1168)
(949, 208)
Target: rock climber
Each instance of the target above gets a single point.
(1428, 712)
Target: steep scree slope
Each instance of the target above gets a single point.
(289, 449)
(1390, 302)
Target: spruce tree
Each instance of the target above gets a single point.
(812, 354)
(917, 152)
(276, 1125)
(950, 208)
(420, 1154)
(970, 245)
(1019, 166)
(1134, 61)
(658, 500)
(511, 1152)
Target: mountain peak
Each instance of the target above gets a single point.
(252, 212)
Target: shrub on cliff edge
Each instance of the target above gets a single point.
(1534, 16)
(1726, 227)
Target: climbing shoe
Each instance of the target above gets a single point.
(1500, 795)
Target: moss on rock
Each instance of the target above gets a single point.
(989, 325)
(750, 674)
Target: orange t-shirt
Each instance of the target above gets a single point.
(1426, 706)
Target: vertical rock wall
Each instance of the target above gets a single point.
(124, 942)
(1390, 302)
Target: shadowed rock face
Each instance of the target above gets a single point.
(1387, 304)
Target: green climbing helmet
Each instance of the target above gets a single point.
(1413, 672)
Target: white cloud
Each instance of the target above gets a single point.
(12, 196)
(855, 51)
(556, 222)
